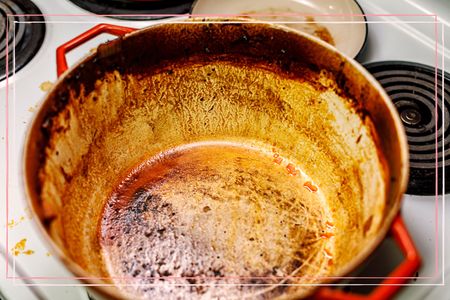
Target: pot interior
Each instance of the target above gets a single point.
(217, 168)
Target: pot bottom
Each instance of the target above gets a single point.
(215, 219)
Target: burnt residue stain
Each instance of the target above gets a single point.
(367, 225)
(362, 112)
(139, 205)
(68, 177)
(155, 228)
(254, 45)
(154, 250)
(359, 139)
(238, 40)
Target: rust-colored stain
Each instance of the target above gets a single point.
(309, 24)
(367, 225)
(19, 248)
(291, 169)
(277, 159)
(310, 187)
(327, 235)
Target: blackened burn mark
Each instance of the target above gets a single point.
(359, 139)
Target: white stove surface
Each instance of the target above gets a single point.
(389, 38)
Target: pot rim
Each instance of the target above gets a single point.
(109, 289)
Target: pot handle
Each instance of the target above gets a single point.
(390, 285)
(61, 62)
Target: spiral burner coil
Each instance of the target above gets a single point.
(135, 9)
(23, 39)
(415, 92)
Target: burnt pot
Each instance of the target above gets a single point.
(207, 159)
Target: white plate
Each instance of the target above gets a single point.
(343, 20)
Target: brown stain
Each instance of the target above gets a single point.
(367, 225)
(199, 201)
(319, 30)
(292, 169)
(310, 26)
(277, 159)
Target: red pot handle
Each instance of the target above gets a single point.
(61, 62)
(390, 285)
